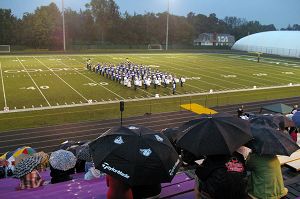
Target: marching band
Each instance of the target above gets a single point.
(130, 74)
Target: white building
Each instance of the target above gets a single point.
(283, 43)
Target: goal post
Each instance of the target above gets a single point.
(4, 48)
(155, 47)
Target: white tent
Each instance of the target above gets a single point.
(283, 43)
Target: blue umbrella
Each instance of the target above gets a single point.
(296, 118)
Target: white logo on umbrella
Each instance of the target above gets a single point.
(106, 166)
(145, 152)
(158, 138)
(171, 171)
(133, 128)
(118, 140)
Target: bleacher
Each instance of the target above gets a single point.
(182, 186)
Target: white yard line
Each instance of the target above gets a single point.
(226, 70)
(62, 79)
(151, 98)
(34, 83)
(4, 96)
(94, 81)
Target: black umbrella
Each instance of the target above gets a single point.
(273, 121)
(214, 135)
(66, 144)
(171, 134)
(269, 141)
(136, 155)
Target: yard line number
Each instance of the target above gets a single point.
(33, 88)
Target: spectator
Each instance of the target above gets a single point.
(146, 191)
(295, 109)
(44, 162)
(240, 111)
(3, 165)
(62, 163)
(221, 177)
(26, 171)
(59, 175)
(31, 180)
(293, 133)
(92, 173)
(266, 179)
(117, 189)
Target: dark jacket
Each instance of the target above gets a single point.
(145, 191)
(59, 176)
(217, 181)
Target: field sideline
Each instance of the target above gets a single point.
(33, 82)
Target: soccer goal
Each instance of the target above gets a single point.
(155, 47)
(4, 48)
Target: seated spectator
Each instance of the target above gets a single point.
(26, 171)
(146, 191)
(188, 159)
(117, 189)
(3, 165)
(10, 166)
(80, 166)
(62, 164)
(295, 109)
(59, 175)
(44, 162)
(92, 173)
(31, 180)
(293, 133)
(221, 177)
(240, 111)
(266, 179)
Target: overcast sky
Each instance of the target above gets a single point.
(277, 12)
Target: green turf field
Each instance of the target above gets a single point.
(37, 82)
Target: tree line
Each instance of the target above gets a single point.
(102, 23)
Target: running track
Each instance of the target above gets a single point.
(49, 138)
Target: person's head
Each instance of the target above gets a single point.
(296, 106)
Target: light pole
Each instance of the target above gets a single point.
(63, 18)
(167, 32)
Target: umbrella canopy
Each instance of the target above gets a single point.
(296, 118)
(273, 121)
(64, 145)
(269, 141)
(44, 156)
(62, 160)
(84, 153)
(3, 156)
(26, 166)
(7, 155)
(277, 108)
(171, 134)
(20, 157)
(217, 134)
(24, 150)
(135, 155)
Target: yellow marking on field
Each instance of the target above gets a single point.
(197, 108)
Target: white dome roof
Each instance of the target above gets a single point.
(284, 43)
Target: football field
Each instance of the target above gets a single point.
(56, 81)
